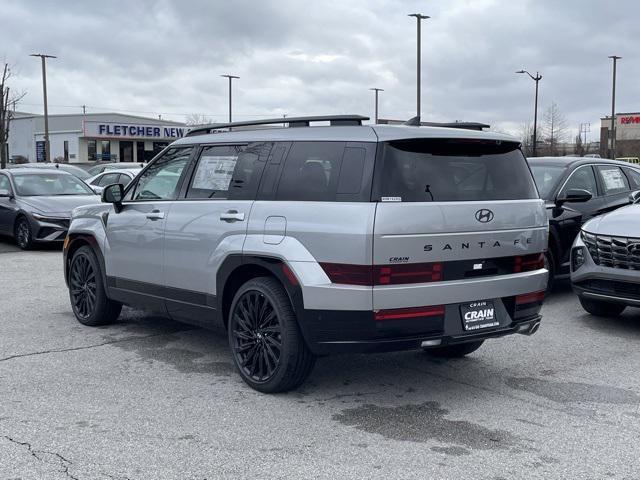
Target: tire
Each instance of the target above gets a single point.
(266, 343)
(23, 234)
(454, 351)
(602, 309)
(550, 264)
(87, 293)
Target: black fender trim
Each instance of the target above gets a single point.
(71, 244)
(233, 264)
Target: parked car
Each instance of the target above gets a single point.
(36, 204)
(111, 176)
(320, 239)
(101, 167)
(576, 190)
(77, 171)
(635, 160)
(605, 261)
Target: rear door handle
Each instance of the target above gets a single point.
(155, 215)
(232, 216)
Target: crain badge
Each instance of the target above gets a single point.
(391, 199)
(478, 315)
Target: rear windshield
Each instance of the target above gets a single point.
(443, 170)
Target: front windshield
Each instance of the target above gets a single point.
(41, 184)
(546, 177)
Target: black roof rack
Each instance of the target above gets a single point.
(334, 120)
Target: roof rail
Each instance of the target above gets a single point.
(334, 120)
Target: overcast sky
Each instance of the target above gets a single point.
(299, 57)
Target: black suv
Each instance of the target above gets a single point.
(575, 190)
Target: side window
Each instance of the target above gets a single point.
(613, 180)
(582, 178)
(229, 171)
(634, 177)
(214, 171)
(161, 180)
(124, 179)
(5, 186)
(311, 172)
(107, 179)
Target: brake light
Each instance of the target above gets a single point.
(369, 275)
(534, 297)
(407, 273)
(412, 312)
(528, 263)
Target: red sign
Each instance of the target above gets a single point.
(629, 120)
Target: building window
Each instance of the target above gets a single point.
(91, 150)
(66, 151)
(106, 151)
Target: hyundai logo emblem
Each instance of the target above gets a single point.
(633, 248)
(484, 215)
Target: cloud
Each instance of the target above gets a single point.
(299, 57)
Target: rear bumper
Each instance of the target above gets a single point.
(338, 331)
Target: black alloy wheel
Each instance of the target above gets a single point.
(23, 235)
(89, 300)
(266, 343)
(82, 284)
(257, 336)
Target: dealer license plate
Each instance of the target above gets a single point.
(478, 315)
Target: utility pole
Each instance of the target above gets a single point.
(43, 58)
(419, 17)
(612, 130)
(84, 109)
(536, 79)
(377, 90)
(230, 77)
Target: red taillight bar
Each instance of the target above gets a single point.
(533, 297)
(412, 312)
(369, 275)
(528, 263)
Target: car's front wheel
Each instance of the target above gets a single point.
(265, 340)
(602, 309)
(23, 234)
(454, 351)
(89, 300)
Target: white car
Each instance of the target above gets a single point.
(109, 177)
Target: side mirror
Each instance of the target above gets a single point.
(574, 195)
(634, 197)
(113, 193)
(6, 194)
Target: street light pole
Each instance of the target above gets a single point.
(615, 59)
(47, 150)
(377, 90)
(419, 17)
(230, 77)
(536, 79)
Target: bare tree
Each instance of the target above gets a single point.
(578, 147)
(197, 119)
(7, 109)
(526, 137)
(555, 128)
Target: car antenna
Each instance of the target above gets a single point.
(413, 122)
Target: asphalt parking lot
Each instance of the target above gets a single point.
(149, 398)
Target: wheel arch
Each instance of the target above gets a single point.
(238, 269)
(72, 243)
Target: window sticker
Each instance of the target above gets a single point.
(214, 173)
(613, 179)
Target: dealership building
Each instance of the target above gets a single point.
(627, 135)
(89, 137)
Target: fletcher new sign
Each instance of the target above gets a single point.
(133, 130)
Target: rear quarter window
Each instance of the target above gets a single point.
(444, 170)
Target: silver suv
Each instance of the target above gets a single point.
(320, 239)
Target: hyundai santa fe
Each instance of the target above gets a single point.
(320, 239)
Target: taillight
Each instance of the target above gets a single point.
(528, 263)
(527, 298)
(369, 275)
(348, 274)
(412, 312)
(407, 273)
